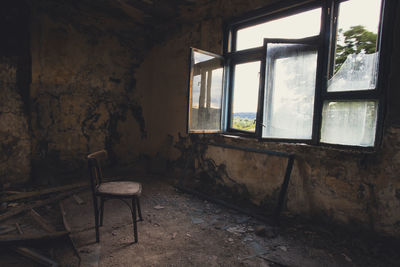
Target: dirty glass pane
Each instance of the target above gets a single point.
(297, 26)
(356, 57)
(206, 93)
(349, 122)
(289, 91)
(245, 96)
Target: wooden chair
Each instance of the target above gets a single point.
(122, 190)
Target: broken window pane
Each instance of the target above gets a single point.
(349, 122)
(206, 92)
(297, 26)
(290, 89)
(356, 56)
(358, 72)
(245, 96)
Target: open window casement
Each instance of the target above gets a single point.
(316, 78)
(206, 83)
(289, 71)
(285, 81)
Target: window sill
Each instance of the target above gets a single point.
(284, 147)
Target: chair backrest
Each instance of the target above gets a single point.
(94, 163)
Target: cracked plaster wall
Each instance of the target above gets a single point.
(15, 140)
(81, 96)
(342, 186)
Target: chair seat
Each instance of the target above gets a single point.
(123, 188)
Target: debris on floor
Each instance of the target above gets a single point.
(182, 231)
(31, 223)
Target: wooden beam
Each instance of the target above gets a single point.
(63, 213)
(157, 12)
(31, 239)
(143, 7)
(28, 207)
(42, 192)
(33, 255)
(42, 222)
(68, 228)
(7, 230)
(19, 228)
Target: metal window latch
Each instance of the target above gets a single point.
(263, 125)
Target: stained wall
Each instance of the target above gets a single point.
(15, 139)
(342, 186)
(81, 95)
(75, 81)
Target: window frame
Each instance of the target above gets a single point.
(312, 41)
(326, 42)
(269, 13)
(190, 94)
(376, 94)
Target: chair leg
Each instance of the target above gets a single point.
(139, 209)
(101, 211)
(134, 219)
(96, 218)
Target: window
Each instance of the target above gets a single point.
(308, 73)
(206, 85)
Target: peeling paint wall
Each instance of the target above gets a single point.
(342, 186)
(15, 150)
(15, 139)
(81, 95)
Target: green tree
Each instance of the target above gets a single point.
(356, 40)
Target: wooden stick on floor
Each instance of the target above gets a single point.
(42, 192)
(68, 228)
(33, 255)
(42, 222)
(31, 239)
(37, 204)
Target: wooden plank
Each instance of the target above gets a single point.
(28, 207)
(68, 228)
(78, 200)
(46, 191)
(63, 213)
(19, 228)
(7, 229)
(33, 255)
(32, 239)
(42, 222)
(12, 192)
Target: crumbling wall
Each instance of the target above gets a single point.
(81, 92)
(15, 150)
(15, 140)
(343, 186)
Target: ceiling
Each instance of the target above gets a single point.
(133, 21)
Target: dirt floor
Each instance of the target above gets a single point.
(183, 230)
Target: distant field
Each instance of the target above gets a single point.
(244, 121)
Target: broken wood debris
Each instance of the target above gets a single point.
(23, 195)
(27, 207)
(19, 228)
(78, 200)
(35, 256)
(42, 222)
(31, 239)
(63, 214)
(68, 228)
(20, 243)
(6, 229)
